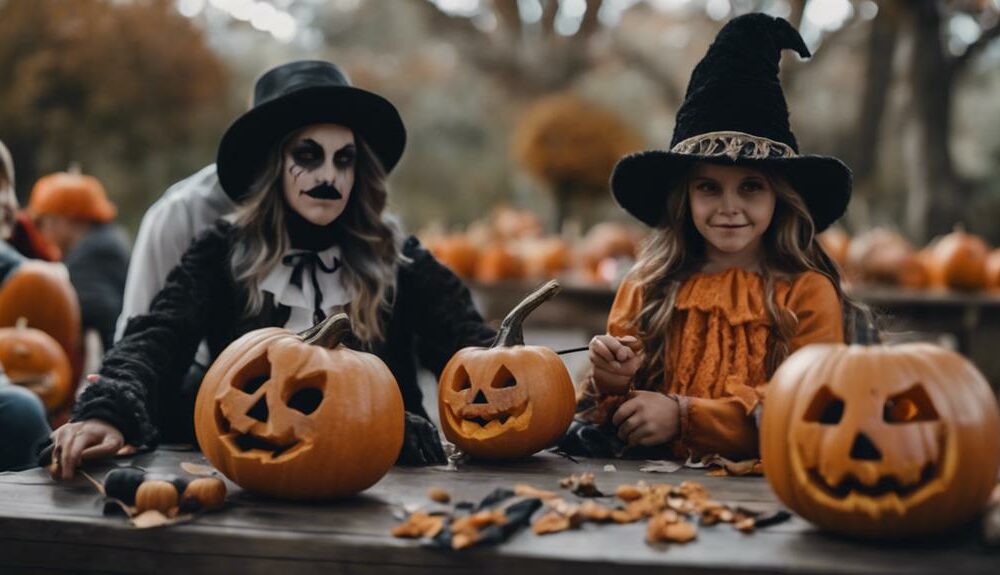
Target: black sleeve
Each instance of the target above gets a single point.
(444, 318)
(157, 348)
(97, 278)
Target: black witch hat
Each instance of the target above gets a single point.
(734, 112)
(295, 95)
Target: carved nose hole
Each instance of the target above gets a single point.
(480, 398)
(259, 409)
(864, 449)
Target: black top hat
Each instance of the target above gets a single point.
(734, 112)
(295, 95)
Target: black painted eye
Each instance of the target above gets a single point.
(910, 406)
(307, 154)
(826, 408)
(344, 158)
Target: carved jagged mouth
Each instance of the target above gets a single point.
(885, 485)
(493, 424)
(261, 448)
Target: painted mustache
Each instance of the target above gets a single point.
(323, 191)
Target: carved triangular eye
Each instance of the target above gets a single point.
(826, 408)
(503, 378)
(308, 396)
(461, 381)
(910, 406)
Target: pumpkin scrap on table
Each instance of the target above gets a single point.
(509, 400)
(157, 499)
(582, 485)
(667, 508)
(498, 516)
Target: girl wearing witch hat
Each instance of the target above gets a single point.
(309, 237)
(732, 280)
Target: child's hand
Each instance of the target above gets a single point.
(615, 362)
(648, 418)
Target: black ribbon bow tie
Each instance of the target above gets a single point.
(311, 260)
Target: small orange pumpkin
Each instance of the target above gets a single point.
(300, 416)
(835, 243)
(882, 256)
(958, 261)
(38, 292)
(545, 257)
(497, 263)
(993, 270)
(509, 400)
(156, 495)
(204, 493)
(34, 360)
(457, 253)
(881, 441)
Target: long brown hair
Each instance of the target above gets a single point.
(675, 251)
(370, 240)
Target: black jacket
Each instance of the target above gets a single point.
(141, 388)
(97, 267)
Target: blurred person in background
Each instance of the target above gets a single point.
(23, 425)
(72, 211)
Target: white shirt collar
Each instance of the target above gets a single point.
(300, 300)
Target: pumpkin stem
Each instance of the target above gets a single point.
(22, 322)
(510, 333)
(329, 332)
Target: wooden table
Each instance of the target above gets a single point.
(49, 527)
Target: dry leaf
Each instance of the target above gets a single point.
(478, 520)
(419, 524)
(151, 518)
(582, 485)
(551, 522)
(717, 472)
(439, 495)
(593, 511)
(198, 469)
(745, 524)
(661, 466)
(628, 492)
(525, 490)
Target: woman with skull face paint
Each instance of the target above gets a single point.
(309, 237)
(732, 280)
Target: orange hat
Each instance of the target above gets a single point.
(71, 195)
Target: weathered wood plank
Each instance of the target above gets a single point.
(52, 526)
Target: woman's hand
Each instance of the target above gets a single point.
(421, 443)
(648, 418)
(615, 362)
(88, 439)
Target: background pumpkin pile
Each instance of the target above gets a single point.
(957, 261)
(510, 244)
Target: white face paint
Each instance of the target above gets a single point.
(318, 166)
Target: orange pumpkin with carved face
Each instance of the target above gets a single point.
(34, 360)
(881, 442)
(509, 400)
(299, 416)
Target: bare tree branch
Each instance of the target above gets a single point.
(549, 10)
(635, 58)
(590, 22)
(509, 17)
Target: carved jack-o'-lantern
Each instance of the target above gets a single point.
(296, 416)
(40, 293)
(33, 359)
(509, 400)
(881, 441)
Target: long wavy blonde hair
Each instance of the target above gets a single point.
(676, 250)
(370, 240)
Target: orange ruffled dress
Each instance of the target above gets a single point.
(719, 337)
